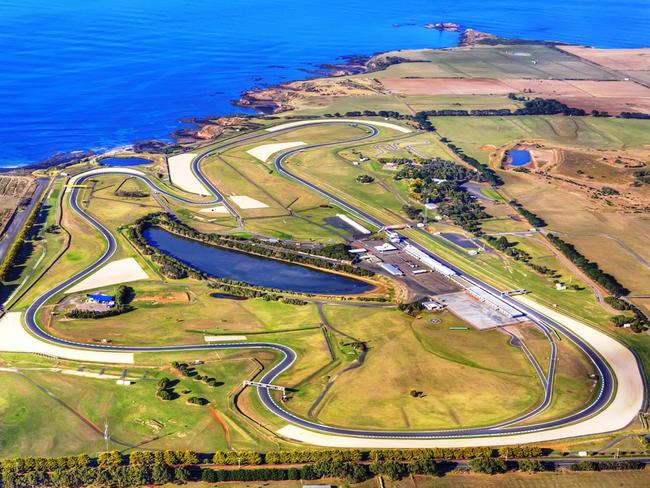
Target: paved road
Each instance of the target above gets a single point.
(289, 356)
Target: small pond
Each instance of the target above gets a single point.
(256, 270)
(124, 161)
(519, 157)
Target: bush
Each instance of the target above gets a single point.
(488, 465)
(531, 465)
(394, 470)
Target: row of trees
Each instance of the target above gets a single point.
(590, 268)
(532, 219)
(161, 473)
(246, 291)
(14, 250)
(487, 173)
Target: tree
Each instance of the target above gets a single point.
(170, 458)
(365, 179)
(165, 395)
(190, 457)
(531, 465)
(392, 469)
(161, 474)
(488, 465)
(109, 459)
(423, 466)
(182, 475)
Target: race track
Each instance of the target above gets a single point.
(616, 403)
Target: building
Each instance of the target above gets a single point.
(392, 269)
(393, 237)
(385, 247)
(432, 306)
(102, 299)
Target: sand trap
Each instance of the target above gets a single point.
(14, 338)
(181, 174)
(263, 153)
(245, 203)
(121, 271)
(289, 125)
(220, 209)
(224, 338)
(623, 409)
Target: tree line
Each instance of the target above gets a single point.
(13, 253)
(141, 468)
(590, 268)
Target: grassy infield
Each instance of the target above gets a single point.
(425, 357)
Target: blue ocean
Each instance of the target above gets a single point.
(96, 74)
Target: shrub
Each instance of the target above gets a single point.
(488, 465)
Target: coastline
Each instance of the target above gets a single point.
(270, 100)
(209, 127)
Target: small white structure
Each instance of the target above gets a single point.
(560, 286)
(393, 237)
(385, 247)
(432, 305)
(357, 251)
(124, 382)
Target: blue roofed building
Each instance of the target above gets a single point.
(108, 300)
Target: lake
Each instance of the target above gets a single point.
(256, 270)
(98, 74)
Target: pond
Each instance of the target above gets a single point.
(519, 157)
(256, 270)
(124, 161)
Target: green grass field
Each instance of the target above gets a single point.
(134, 414)
(471, 133)
(493, 62)
(182, 313)
(452, 368)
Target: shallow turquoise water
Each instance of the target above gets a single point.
(96, 74)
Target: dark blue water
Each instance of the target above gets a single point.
(519, 157)
(124, 161)
(233, 265)
(96, 74)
